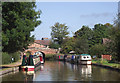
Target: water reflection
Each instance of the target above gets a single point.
(61, 71)
(85, 70)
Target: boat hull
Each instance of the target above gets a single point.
(27, 68)
(85, 62)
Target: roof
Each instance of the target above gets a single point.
(43, 42)
(85, 54)
(106, 40)
(72, 52)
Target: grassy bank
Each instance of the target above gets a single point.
(107, 63)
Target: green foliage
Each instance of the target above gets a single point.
(18, 20)
(83, 40)
(86, 33)
(6, 58)
(59, 32)
(68, 45)
(100, 32)
(15, 55)
(97, 50)
(50, 56)
(81, 46)
(113, 47)
(104, 61)
(100, 61)
(54, 45)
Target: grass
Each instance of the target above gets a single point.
(105, 62)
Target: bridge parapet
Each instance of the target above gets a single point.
(44, 50)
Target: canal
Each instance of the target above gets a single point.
(60, 71)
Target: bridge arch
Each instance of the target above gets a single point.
(33, 51)
(42, 54)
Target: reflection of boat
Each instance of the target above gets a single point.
(86, 69)
(84, 59)
(28, 76)
(31, 62)
(31, 75)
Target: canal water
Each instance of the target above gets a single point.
(60, 71)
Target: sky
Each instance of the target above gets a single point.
(74, 15)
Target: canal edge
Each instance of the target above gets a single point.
(8, 71)
(105, 66)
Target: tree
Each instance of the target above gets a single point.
(113, 47)
(86, 33)
(59, 32)
(98, 50)
(18, 20)
(100, 32)
(54, 45)
(68, 45)
(81, 45)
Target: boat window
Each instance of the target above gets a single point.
(84, 57)
(87, 57)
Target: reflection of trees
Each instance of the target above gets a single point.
(60, 72)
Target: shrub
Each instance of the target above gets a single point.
(16, 56)
(100, 61)
(50, 56)
(7, 58)
(104, 61)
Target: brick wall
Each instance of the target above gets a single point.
(108, 57)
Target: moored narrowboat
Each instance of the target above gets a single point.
(31, 62)
(84, 59)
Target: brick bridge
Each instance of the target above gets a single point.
(43, 50)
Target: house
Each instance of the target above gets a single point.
(107, 57)
(44, 43)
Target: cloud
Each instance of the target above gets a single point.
(95, 15)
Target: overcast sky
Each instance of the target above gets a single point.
(74, 15)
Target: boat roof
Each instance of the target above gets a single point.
(84, 54)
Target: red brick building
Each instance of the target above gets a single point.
(107, 57)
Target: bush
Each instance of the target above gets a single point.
(104, 61)
(16, 56)
(7, 58)
(100, 61)
(50, 56)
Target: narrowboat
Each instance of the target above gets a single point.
(84, 59)
(60, 57)
(30, 63)
(74, 58)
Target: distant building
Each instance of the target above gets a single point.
(107, 57)
(44, 43)
(44, 39)
(105, 41)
